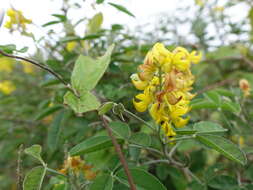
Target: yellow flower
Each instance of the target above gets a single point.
(7, 87)
(143, 102)
(16, 20)
(27, 67)
(160, 54)
(168, 130)
(245, 87)
(6, 64)
(71, 46)
(158, 113)
(166, 80)
(138, 83)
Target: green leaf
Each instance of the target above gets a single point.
(188, 130)
(35, 151)
(122, 9)
(51, 23)
(49, 110)
(223, 146)
(9, 48)
(105, 108)
(223, 182)
(54, 132)
(225, 92)
(34, 178)
(87, 102)
(99, 1)
(23, 50)
(140, 139)
(95, 23)
(121, 129)
(62, 18)
(103, 182)
(213, 96)
(87, 71)
(204, 127)
(231, 106)
(200, 104)
(142, 179)
(92, 144)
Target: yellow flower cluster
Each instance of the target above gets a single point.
(77, 166)
(16, 19)
(6, 64)
(7, 87)
(166, 79)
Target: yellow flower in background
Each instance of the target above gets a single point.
(245, 87)
(71, 46)
(199, 3)
(16, 20)
(7, 87)
(76, 165)
(6, 64)
(27, 67)
(218, 8)
(166, 80)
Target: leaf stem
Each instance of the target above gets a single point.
(126, 112)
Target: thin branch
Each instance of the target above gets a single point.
(215, 85)
(43, 67)
(120, 154)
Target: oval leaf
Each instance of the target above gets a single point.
(87, 102)
(121, 129)
(208, 127)
(103, 182)
(34, 178)
(142, 179)
(35, 151)
(140, 139)
(91, 145)
(88, 71)
(223, 146)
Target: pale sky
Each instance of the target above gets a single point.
(40, 12)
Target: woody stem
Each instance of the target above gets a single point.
(120, 154)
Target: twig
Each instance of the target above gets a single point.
(19, 175)
(155, 162)
(44, 67)
(214, 85)
(120, 154)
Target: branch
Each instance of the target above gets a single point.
(120, 154)
(43, 67)
(214, 85)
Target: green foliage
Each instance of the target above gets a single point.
(212, 152)
(34, 178)
(223, 146)
(91, 144)
(142, 179)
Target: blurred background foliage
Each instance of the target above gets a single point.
(32, 112)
